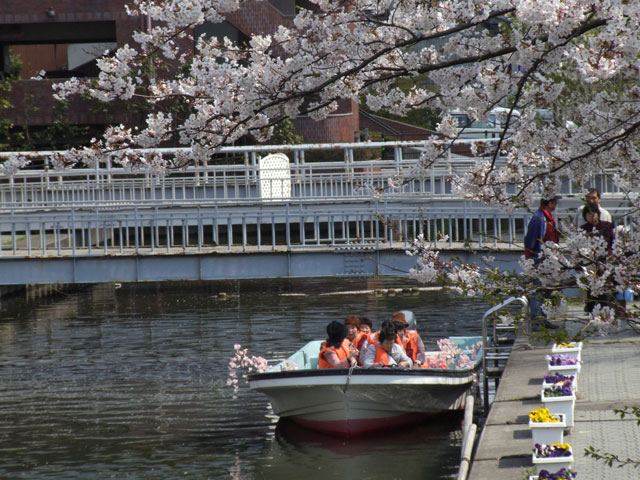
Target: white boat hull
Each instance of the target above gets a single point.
(366, 401)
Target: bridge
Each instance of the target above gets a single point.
(251, 212)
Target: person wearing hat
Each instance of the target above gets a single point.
(409, 339)
(542, 228)
(336, 353)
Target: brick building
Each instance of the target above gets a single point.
(64, 37)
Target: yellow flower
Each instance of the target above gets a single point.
(566, 345)
(542, 415)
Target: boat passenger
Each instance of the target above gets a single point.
(370, 339)
(352, 322)
(363, 334)
(335, 353)
(386, 352)
(409, 339)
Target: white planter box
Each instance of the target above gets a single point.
(560, 405)
(551, 464)
(574, 352)
(564, 369)
(547, 432)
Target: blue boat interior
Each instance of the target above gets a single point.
(307, 357)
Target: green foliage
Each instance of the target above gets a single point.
(6, 85)
(284, 134)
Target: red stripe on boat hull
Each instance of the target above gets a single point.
(348, 428)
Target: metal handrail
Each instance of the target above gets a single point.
(485, 339)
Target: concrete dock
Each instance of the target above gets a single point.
(610, 378)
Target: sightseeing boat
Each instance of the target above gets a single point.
(354, 401)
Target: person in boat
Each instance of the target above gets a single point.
(370, 339)
(366, 326)
(352, 322)
(408, 338)
(335, 352)
(386, 352)
(363, 337)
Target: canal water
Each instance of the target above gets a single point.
(129, 382)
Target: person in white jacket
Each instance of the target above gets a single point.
(592, 198)
(386, 352)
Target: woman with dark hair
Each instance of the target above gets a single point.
(365, 329)
(595, 226)
(335, 352)
(386, 352)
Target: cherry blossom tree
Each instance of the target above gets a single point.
(576, 58)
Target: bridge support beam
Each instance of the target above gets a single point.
(217, 266)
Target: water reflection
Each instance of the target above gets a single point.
(430, 450)
(129, 382)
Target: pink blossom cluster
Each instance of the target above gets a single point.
(242, 362)
(451, 354)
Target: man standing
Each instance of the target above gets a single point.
(593, 199)
(542, 228)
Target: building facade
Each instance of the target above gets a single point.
(63, 39)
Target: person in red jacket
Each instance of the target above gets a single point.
(542, 228)
(335, 352)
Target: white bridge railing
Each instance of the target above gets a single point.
(231, 204)
(354, 171)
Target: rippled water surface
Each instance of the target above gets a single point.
(129, 382)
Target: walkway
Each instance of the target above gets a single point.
(610, 378)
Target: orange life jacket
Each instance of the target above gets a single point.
(342, 352)
(410, 344)
(381, 355)
(358, 342)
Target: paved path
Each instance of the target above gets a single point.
(610, 378)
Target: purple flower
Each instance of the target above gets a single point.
(562, 474)
(561, 359)
(552, 451)
(559, 389)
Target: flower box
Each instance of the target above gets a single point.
(548, 432)
(551, 464)
(552, 457)
(574, 351)
(564, 369)
(563, 405)
(563, 474)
